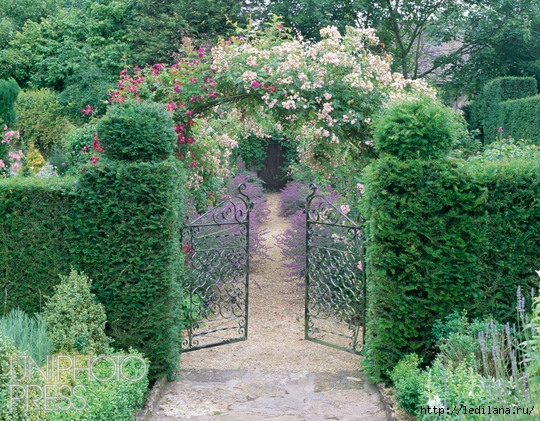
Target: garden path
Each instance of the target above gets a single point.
(275, 374)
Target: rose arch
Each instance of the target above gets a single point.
(322, 95)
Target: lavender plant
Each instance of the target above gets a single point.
(485, 363)
(292, 241)
(258, 216)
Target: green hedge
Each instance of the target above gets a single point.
(445, 237)
(34, 246)
(126, 238)
(484, 113)
(520, 118)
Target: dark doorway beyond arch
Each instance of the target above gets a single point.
(272, 171)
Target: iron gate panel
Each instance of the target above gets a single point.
(335, 287)
(216, 247)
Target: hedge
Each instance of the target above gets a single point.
(484, 113)
(520, 118)
(34, 246)
(444, 236)
(126, 230)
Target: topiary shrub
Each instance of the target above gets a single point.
(135, 131)
(520, 118)
(34, 239)
(9, 90)
(418, 129)
(75, 320)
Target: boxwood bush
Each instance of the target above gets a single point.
(116, 399)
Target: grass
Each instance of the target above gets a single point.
(28, 333)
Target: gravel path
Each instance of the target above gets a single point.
(275, 374)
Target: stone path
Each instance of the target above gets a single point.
(238, 395)
(274, 375)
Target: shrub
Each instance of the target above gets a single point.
(29, 334)
(292, 198)
(452, 385)
(417, 129)
(259, 213)
(115, 399)
(34, 238)
(292, 241)
(10, 365)
(135, 131)
(253, 151)
(409, 382)
(79, 144)
(89, 87)
(508, 148)
(75, 321)
(41, 120)
(34, 159)
(9, 90)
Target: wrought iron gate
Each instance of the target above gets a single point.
(335, 287)
(216, 248)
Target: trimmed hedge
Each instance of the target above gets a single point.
(520, 118)
(418, 129)
(127, 240)
(484, 113)
(135, 131)
(445, 237)
(34, 245)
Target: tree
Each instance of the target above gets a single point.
(14, 14)
(159, 26)
(497, 38)
(307, 17)
(459, 43)
(20, 11)
(44, 54)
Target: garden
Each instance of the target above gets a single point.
(103, 163)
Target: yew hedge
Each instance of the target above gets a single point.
(445, 236)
